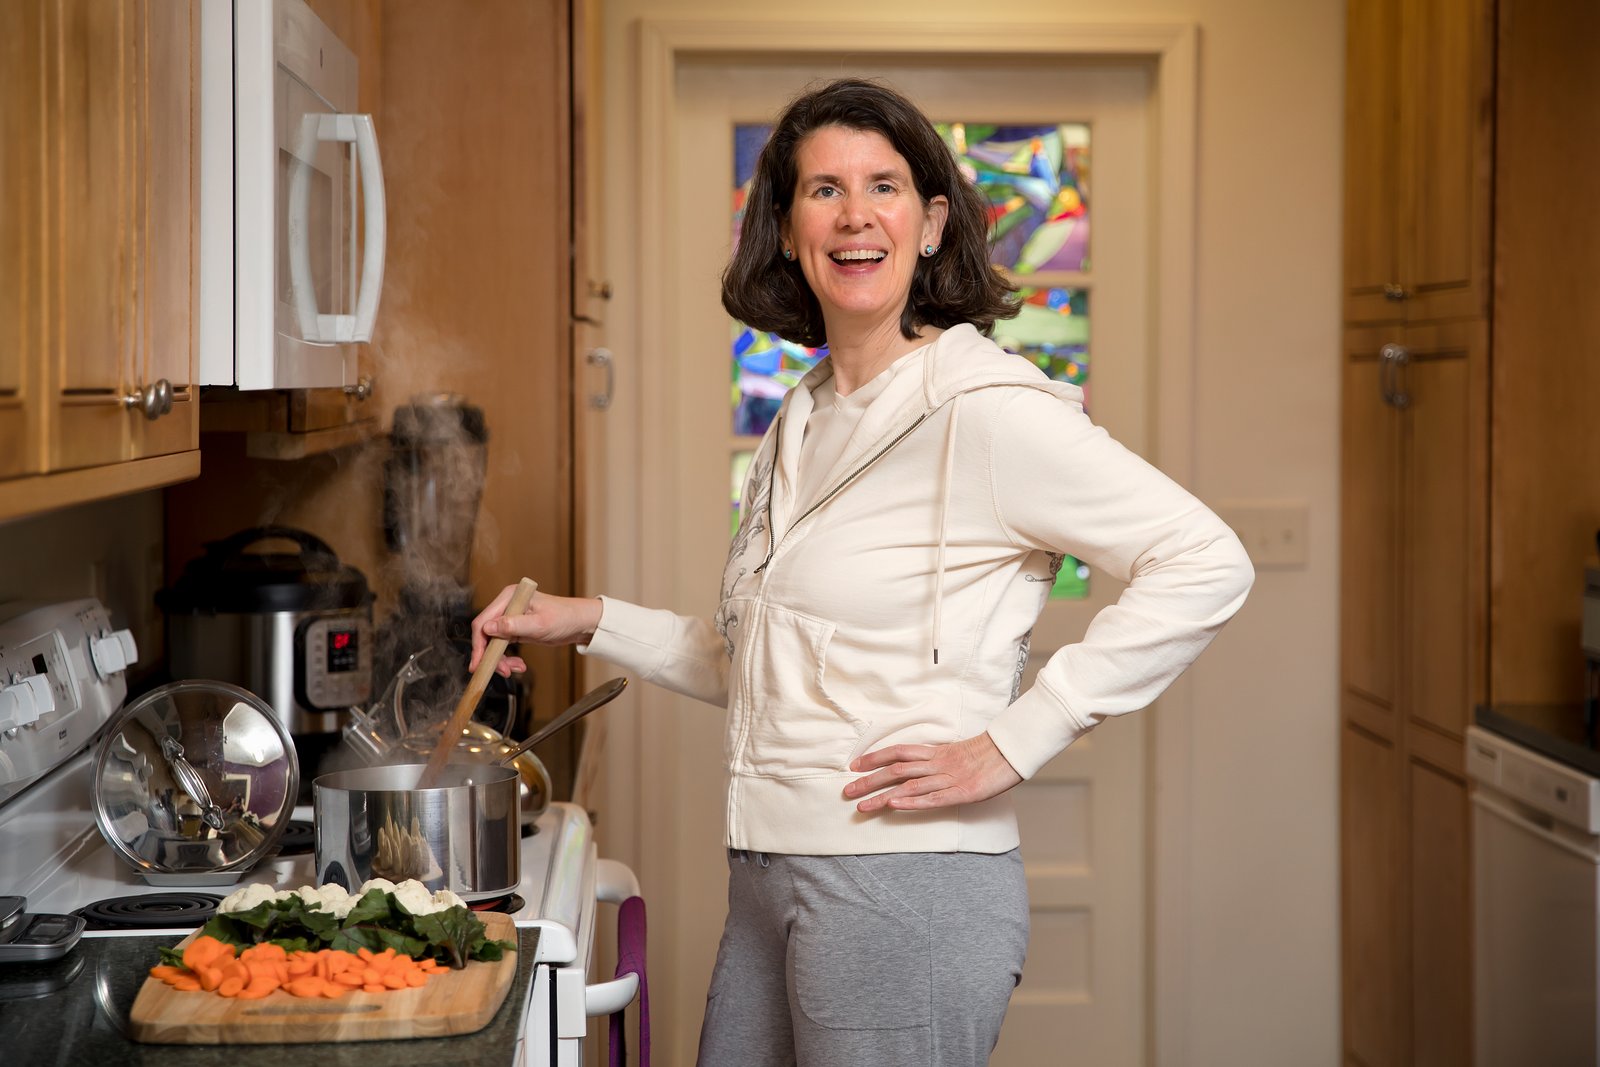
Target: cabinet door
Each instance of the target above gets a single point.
(1440, 919)
(21, 231)
(1444, 523)
(168, 237)
(92, 269)
(1446, 123)
(1372, 820)
(1370, 541)
(1371, 160)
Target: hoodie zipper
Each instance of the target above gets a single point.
(835, 491)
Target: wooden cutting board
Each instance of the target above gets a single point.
(457, 1002)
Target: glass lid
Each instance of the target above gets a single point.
(195, 776)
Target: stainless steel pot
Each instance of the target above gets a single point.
(462, 835)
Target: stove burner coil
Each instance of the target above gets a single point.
(299, 838)
(150, 911)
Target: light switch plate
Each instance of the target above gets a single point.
(1276, 533)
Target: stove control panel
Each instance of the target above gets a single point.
(61, 678)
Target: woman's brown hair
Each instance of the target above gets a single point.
(763, 290)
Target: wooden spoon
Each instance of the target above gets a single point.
(475, 687)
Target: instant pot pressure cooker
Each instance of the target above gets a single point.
(293, 627)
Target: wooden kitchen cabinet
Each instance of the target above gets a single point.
(105, 101)
(1413, 625)
(1418, 166)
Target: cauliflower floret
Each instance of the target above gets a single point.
(246, 897)
(374, 883)
(414, 897)
(331, 898)
(443, 900)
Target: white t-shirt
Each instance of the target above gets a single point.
(829, 427)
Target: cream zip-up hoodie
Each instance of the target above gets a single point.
(898, 605)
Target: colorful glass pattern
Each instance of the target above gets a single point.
(1036, 179)
(740, 465)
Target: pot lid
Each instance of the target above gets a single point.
(231, 578)
(195, 776)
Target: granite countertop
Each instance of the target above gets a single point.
(73, 1013)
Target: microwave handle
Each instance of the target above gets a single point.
(339, 329)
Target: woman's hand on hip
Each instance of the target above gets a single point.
(914, 777)
(549, 620)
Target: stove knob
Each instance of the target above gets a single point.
(113, 652)
(23, 701)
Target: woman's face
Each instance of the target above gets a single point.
(857, 225)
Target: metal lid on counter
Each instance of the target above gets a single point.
(193, 779)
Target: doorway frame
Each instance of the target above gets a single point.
(1172, 49)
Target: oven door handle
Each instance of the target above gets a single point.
(603, 998)
(614, 884)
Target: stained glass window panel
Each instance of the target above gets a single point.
(741, 464)
(1051, 329)
(1036, 179)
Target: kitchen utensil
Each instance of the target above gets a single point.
(597, 697)
(454, 1002)
(461, 834)
(194, 782)
(293, 625)
(480, 680)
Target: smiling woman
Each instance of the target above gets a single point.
(900, 523)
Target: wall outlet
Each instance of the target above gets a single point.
(1275, 532)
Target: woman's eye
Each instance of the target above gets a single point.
(883, 187)
(825, 192)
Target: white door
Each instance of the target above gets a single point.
(1083, 816)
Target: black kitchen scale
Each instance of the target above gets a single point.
(26, 936)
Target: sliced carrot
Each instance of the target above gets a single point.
(348, 979)
(370, 988)
(333, 990)
(201, 951)
(164, 970)
(364, 952)
(415, 979)
(210, 978)
(306, 987)
(231, 986)
(186, 985)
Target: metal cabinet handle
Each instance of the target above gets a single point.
(154, 400)
(364, 387)
(1396, 293)
(1391, 379)
(601, 357)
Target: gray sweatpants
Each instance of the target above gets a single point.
(900, 960)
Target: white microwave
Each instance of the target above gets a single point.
(292, 228)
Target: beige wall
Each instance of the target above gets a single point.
(1258, 980)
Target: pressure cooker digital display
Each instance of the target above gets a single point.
(344, 651)
(335, 665)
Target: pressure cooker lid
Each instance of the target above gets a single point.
(246, 574)
(193, 777)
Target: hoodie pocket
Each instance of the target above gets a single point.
(796, 729)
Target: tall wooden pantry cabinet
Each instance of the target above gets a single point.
(1418, 167)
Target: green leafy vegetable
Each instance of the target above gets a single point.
(377, 921)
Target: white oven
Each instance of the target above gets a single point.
(292, 212)
(52, 852)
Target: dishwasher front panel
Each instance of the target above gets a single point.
(1537, 958)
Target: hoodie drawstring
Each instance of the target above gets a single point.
(944, 516)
